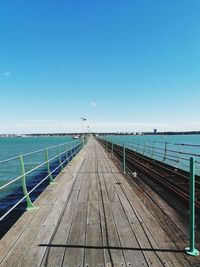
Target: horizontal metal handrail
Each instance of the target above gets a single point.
(10, 182)
(158, 148)
(164, 153)
(51, 147)
(69, 153)
(36, 151)
(37, 167)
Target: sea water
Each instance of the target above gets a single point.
(13, 147)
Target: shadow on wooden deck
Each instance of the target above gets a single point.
(112, 248)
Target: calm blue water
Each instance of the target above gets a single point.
(171, 149)
(12, 147)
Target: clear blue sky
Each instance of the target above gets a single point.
(138, 61)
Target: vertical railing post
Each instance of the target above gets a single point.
(60, 158)
(152, 153)
(112, 149)
(137, 147)
(51, 180)
(165, 152)
(82, 144)
(191, 250)
(72, 152)
(124, 158)
(144, 147)
(67, 159)
(29, 204)
(75, 149)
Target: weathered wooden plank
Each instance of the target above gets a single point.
(113, 257)
(163, 240)
(8, 241)
(55, 250)
(22, 245)
(146, 247)
(127, 237)
(94, 256)
(36, 252)
(121, 180)
(92, 217)
(94, 253)
(74, 254)
(171, 222)
(111, 238)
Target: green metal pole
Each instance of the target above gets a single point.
(137, 147)
(192, 250)
(67, 155)
(153, 149)
(165, 152)
(51, 180)
(144, 147)
(112, 150)
(72, 151)
(124, 158)
(29, 203)
(75, 150)
(60, 159)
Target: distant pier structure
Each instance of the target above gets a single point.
(98, 215)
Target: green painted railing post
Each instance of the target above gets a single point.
(112, 150)
(60, 158)
(82, 144)
(67, 159)
(152, 153)
(51, 180)
(137, 147)
(144, 147)
(165, 152)
(72, 151)
(191, 250)
(75, 150)
(29, 203)
(124, 158)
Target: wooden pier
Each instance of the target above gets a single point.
(93, 217)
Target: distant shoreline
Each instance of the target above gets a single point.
(100, 133)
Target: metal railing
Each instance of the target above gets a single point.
(108, 145)
(61, 153)
(174, 154)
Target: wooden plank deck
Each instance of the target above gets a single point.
(93, 217)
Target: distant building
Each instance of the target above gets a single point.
(155, 131)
